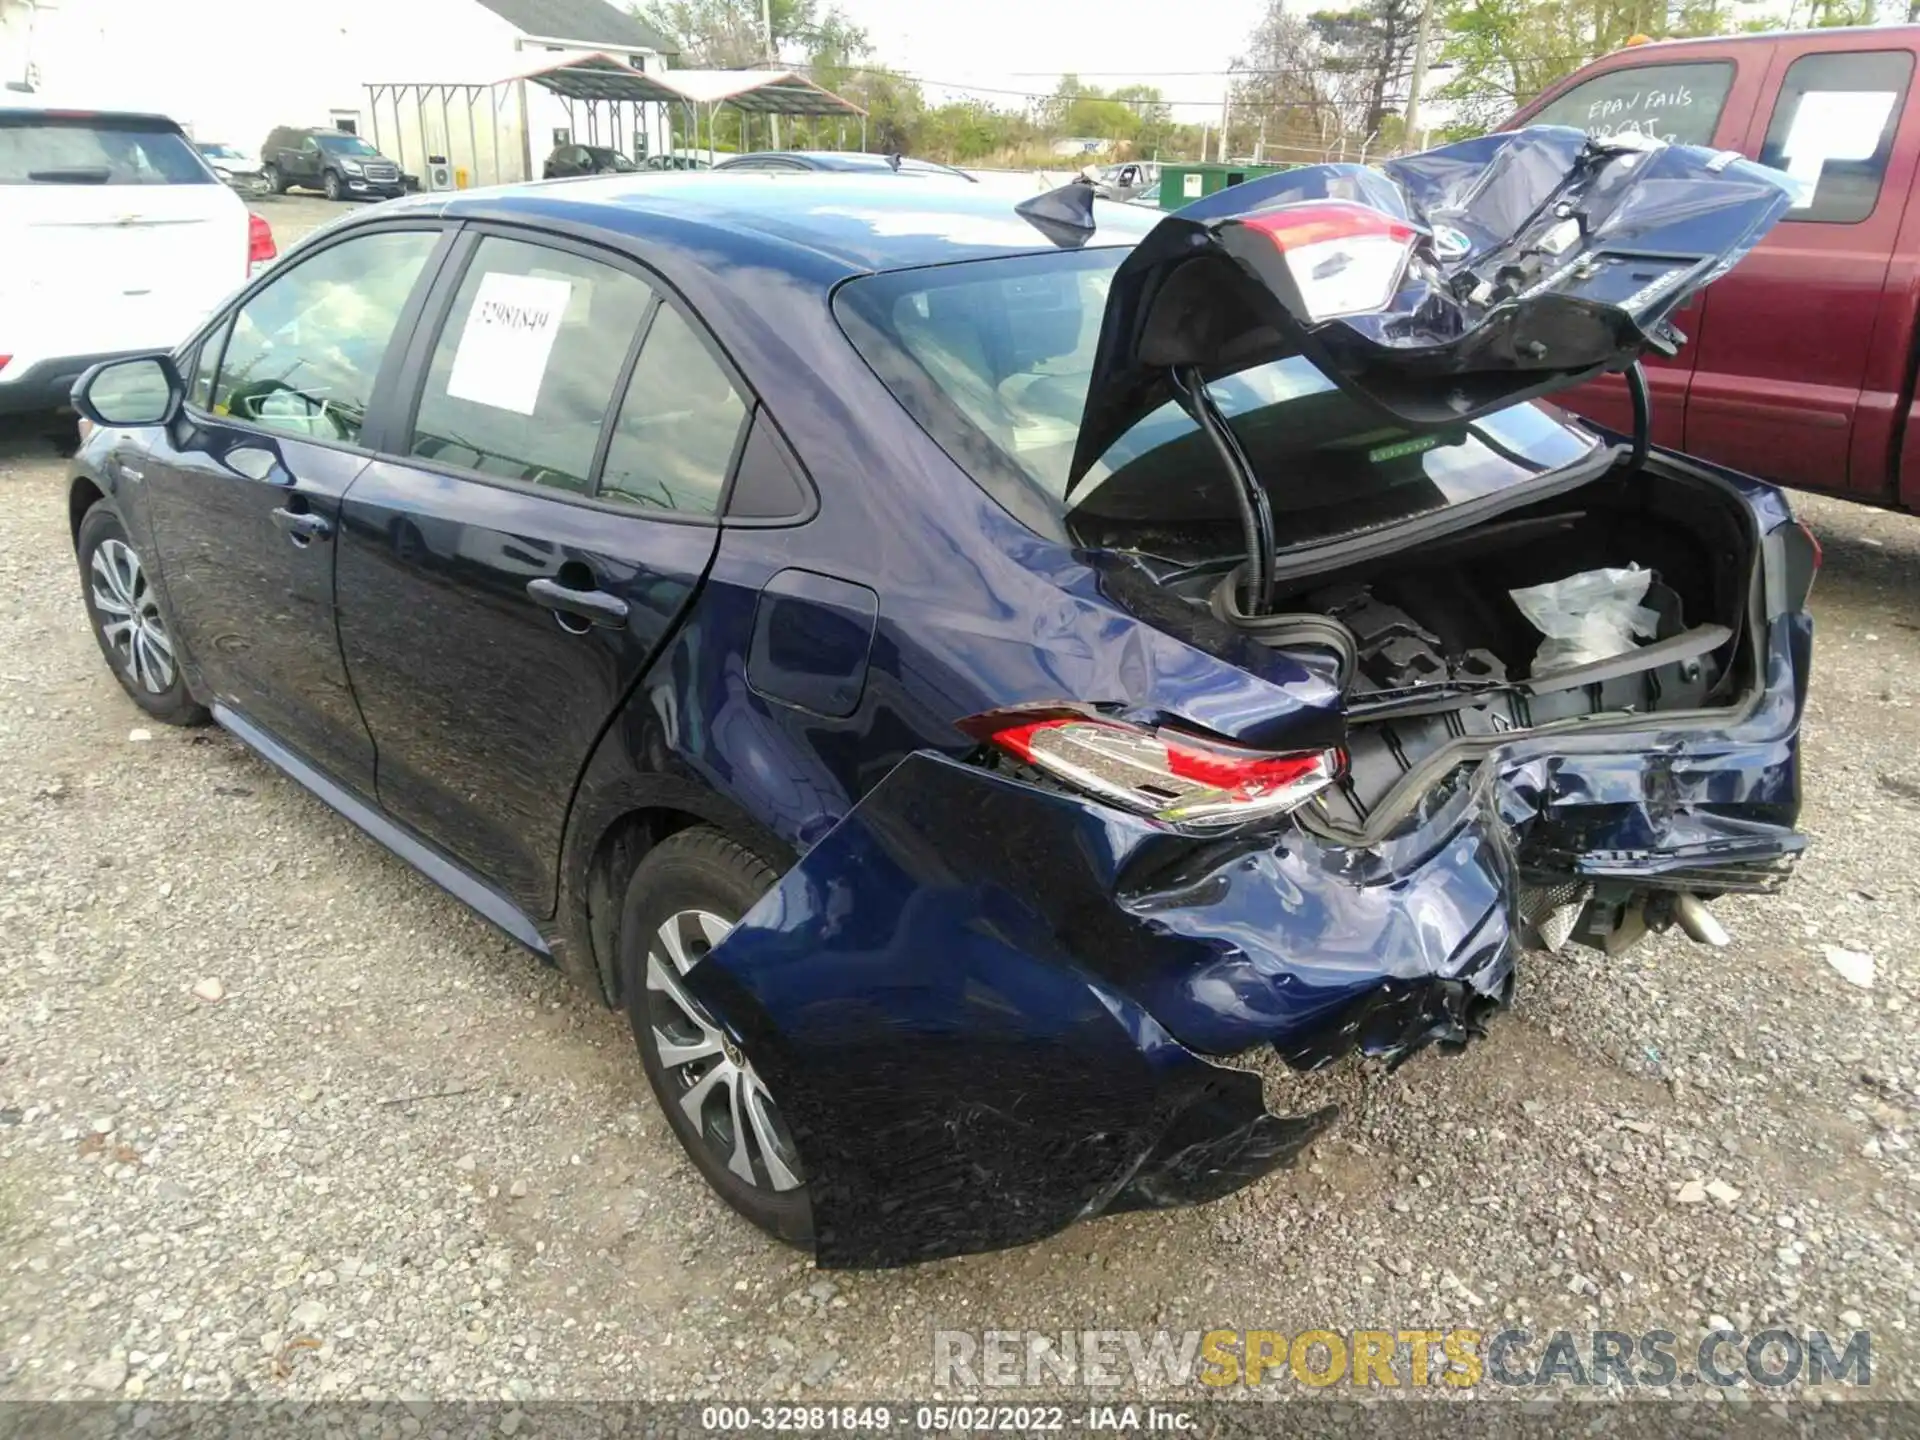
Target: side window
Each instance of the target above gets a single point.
(1677, 103)
(523, 373)
(1833, 129)
(679, 423)
(305, 350)
(205, 364)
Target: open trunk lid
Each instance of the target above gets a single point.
(1436, 289)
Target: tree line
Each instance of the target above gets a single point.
(1328, 84)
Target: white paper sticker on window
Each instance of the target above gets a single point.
(1833, 125)
(509, 337)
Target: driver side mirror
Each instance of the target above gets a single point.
(142, 391)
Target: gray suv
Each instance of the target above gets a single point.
(342, 165)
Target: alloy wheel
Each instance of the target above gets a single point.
(716, 1085)
(129, 616)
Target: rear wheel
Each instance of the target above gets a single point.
(276, 182)
(685, 897)
(127, 622)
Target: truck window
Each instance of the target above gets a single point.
(1678, 103)
(1833, 128)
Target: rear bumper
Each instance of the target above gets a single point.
(990, 1009)
(47, 385)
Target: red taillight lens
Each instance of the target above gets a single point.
(260, 246)
(5, 360)
(1345, 258)
(1173, 776)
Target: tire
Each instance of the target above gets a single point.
(330, 182)
(700, 883)
(128, 625)
(276, 182)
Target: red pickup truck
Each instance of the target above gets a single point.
(1800, 364)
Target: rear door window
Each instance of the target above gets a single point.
(306, 349)
(679, 425)
(524, 370)
(40, 149)
(1833, 127)
(1677, 103)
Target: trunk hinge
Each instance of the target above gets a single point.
(1256, 515)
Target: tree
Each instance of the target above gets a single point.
(1281, 102)
(728, 35)
(1366, 56)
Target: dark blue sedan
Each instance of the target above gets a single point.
(966, 680)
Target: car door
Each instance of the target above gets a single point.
(306, 161)
(245, 490)
(1781, 380)
(1689, 99)
(546, 517)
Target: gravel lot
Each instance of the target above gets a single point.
(398, 1158)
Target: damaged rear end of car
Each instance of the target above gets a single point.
(1410, 673)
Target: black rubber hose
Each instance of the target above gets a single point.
(1256, 520)
(1642, 400)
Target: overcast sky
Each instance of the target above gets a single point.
(1027, 44)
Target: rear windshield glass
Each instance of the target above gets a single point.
(96, 150)
(993, 358)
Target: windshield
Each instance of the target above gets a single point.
(345, 145)
(47, 149)
(993, 358)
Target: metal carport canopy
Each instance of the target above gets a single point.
(760, 92)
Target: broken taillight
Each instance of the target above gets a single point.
(1166, 773)
(1345, 258)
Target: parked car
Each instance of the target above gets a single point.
(243, 172)
(846, 161)
(1129, 180)
(678, 160)
(1802, 363)
(115, 238)
(568, 160)
(803, 615)
(342, 166)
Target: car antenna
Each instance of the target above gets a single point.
(1064, 216)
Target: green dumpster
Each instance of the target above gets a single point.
(1184, 184)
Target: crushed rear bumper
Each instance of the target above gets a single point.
(989, 1009)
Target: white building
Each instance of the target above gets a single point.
(231, 70)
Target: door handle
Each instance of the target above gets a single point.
(302, 526)
(596, 607)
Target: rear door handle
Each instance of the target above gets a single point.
(596, 607)
(302, 525)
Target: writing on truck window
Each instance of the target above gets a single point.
(1677, 103)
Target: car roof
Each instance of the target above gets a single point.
(16, 104)
(792, 221)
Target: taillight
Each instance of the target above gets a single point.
(5, 360)
(260, 246)
(1166, 773)
(1345, 258)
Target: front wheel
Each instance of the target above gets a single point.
(685, 897)
(127, 623)
(332, 185)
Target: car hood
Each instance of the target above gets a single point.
(1437, 287)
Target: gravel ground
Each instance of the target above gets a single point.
(397, 1157)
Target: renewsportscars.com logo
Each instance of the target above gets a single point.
(1460, 1358)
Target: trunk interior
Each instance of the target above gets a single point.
(1432, 648)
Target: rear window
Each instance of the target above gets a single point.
(1680, 104)
(41, 149)
(993, 359)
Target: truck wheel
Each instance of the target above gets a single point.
(332, 185)
(276, 182)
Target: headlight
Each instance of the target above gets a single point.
(352, 167)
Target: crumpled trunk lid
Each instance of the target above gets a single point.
(1438, 288)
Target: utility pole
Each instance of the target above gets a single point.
(773, 63)
(1419, 74)
(1226, 116)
